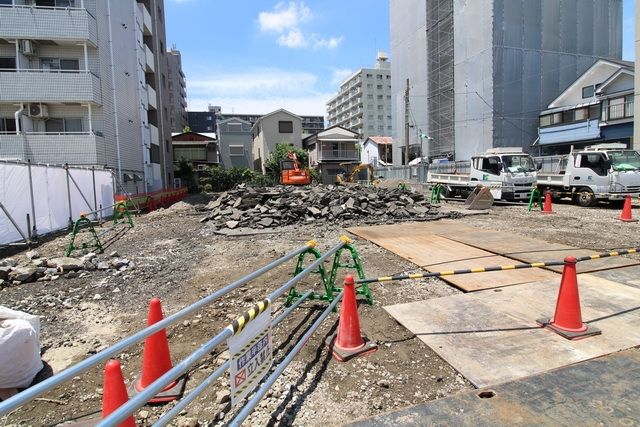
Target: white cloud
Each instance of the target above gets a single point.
(259, 91)
(284, 17)
(330, 43)
(285, 21)
(294, 38)
(340, 75)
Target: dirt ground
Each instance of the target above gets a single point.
(180, 260)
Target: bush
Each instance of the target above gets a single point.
(217, 178)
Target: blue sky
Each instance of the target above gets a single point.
(257, 56)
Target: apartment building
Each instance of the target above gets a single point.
(363, 103)
(480, 71)
(84, 82)
(177, 91)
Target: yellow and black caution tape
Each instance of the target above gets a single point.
(496, 268)
(238, 325)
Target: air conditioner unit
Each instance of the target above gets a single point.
(28, 47)
(38, 111)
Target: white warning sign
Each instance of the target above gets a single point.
(251, 356)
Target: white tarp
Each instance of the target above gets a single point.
(50, 196)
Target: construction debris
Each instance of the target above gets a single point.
(247, 207)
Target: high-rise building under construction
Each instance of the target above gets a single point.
(480, 71)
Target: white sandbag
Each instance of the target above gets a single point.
(19, 348)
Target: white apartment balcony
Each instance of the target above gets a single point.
(150, 65)
(74, 148)
(338, 151)
(27, 85)
(147, 28)
(152, 99)
(63, 24)
(155, 136)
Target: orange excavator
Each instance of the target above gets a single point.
(291, 174)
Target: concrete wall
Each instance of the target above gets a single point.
(408, 20)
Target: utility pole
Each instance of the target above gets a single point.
(406, 124)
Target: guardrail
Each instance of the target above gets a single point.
(68, 374)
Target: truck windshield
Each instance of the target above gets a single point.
(627, 160)
(515, 164)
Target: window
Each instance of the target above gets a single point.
(379, 87)
(567, 116)
(209, 128)
(154, 153)
(66, 125)
(370, 96)
(380, 107)
(285, 127)
(380, 96)
(550, 119)
(55, 3)
(581, 114)
(7, 125)
(369, 76)
(487, 164)
(616, 108)
(7, 64)
(59, 64)
(369, 85)
(209, 118)
(6, 2)
(189, 153)
(594, 112)
(236, 150)
(595, 162)
(234, 127)
(588, 91)
(379, 76)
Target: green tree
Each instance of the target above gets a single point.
(183, 169)
(281, 152)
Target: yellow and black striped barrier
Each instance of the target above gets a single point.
(496, 268)
(238, 325)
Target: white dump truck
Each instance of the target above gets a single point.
(601, 172)
(509, 173)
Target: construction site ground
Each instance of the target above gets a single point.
(180, 260)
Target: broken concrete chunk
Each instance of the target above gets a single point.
(23, 274)
(232, 224)
(266, 222)
(65, 263)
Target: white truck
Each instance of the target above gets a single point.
(601, 172)
(509, 173)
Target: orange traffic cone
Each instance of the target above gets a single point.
(348, 343)
(115, 392)
(156, 360)
(547, 204)
(567, 319)
(627, 215)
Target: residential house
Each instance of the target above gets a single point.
(277, 127)
(200, 149)
(377, 151)
(235, 143)
(595, 108)
(333, 151)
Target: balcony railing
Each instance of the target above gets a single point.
(47, 23)
(150, 60)
(80, 148)
(36, 85)
(342, 153)
(619, 111)
(152, 99)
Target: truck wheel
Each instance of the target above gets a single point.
(585, 197)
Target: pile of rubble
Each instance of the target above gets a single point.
(277, 206)
(36, 268)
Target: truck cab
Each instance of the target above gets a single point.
(512, 172)
(599, 172)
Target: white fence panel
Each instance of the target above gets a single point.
(51, 197)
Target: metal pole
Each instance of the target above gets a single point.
(184, 402)
(79, 190)
(28, 228)
(406, 124)
(19, 231)
(66, 168)
(95, 196)
(46, 385)
(158, 385)
(33, 205)
(251, 404)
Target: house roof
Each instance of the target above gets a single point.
(381, 140)
(233, 119)
(279, 110)
(327, 132)
(193, 136)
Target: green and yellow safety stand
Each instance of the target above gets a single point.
(355, 264)
(293, 293)
(121, 214)
(436, 194)
(94, 242)
(535, 199)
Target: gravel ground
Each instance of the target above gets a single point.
(180, 260)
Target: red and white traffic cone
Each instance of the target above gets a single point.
(627, 215)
